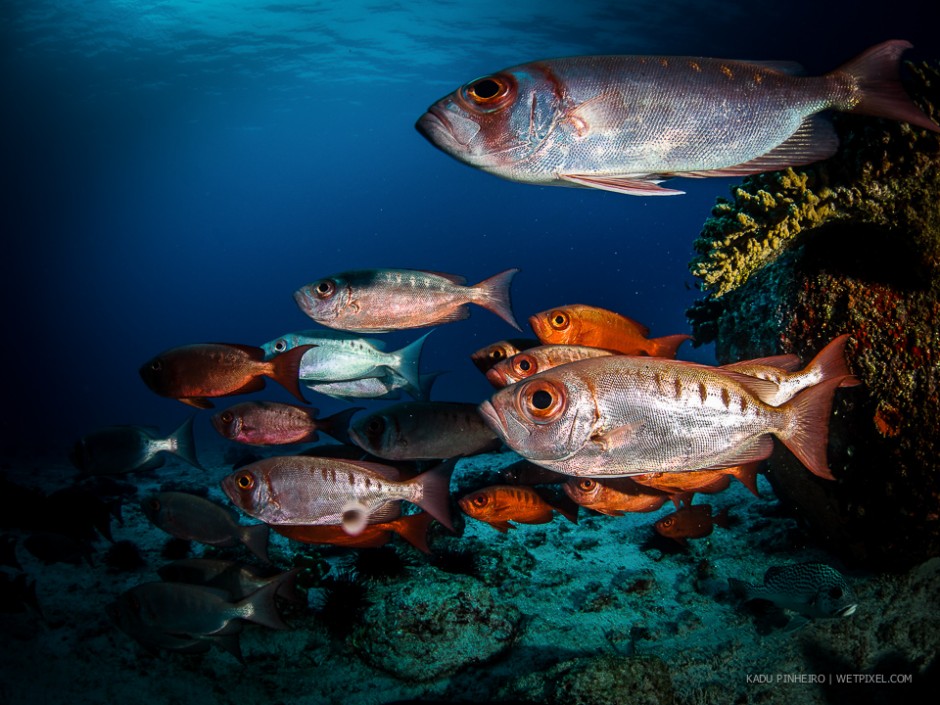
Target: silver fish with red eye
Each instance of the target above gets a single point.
(626, 123)
(382, 300)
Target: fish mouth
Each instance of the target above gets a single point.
(448, 131)
(493, 418)
(847, 611)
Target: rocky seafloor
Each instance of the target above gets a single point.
(600, 612)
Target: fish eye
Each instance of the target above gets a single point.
(280, 346)
(836, 592)
(543, 401)
(245, 481)
(154, 504)
(559, 320)
(376, 425)
(325, 288)
(497, 354)
(156, 365)
(490, 92)
(524, 365)
(227, 417)
(668, 522)
(587, 484)
(480, 500)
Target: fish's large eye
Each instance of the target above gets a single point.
(559, 320)
(497, 354)
(543, 401)
(375, 426)
(587, 484)
(245, 481)
(325, 288)
(490, 92)
(156, 365)
(481, 500)
(524, 365)
(280, 346)
(668, 522)
(227, 417)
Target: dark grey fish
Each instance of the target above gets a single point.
(811, 589)
(236, 579)
(188, 516)
(120, 449)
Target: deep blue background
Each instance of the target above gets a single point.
(172, 171)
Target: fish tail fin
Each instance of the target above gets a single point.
(337, 425)
(830, 362)
(255, 538)
(435, 492)
(414, 529)
(668, 345)
(877, 74)
(286, 370)
(259, 607)
(722, 519)
(184, 443)
(563, 504)
(408, 360)
(807, 433)
(747, 475)
(287, 586)
(493, 294)
(423, 393)
(680, 498)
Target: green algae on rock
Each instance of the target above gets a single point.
(867, 263)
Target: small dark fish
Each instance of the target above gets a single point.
(811, 589)
(188, 516)
(381, 300)
(498, 505)
(692, 522)
(485, 358)
(424, 431)
(192, 373)
(121, 449)
(264, 423)
(236, 579)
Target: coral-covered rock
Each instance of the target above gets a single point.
(443, 624)
(867, 263)
(598, 680)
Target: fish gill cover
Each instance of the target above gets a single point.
(173, 171)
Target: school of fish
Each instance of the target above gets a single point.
(603, 416)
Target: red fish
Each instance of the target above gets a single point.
(412, 527)
(264, 423)
(595, 327)
(701, 481)
(498, 505)
(614, 496)
(692, 522)
(192, 373)
(485, 358)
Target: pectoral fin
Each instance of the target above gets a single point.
(630, 185)
(616, 437)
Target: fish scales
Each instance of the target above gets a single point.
(623, 415)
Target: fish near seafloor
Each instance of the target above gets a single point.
(591, 326)
(811, 589)
(614, 496)
(194, 518)
(694, 522)
(498, 505)
(382, 300)
(621, 415)
(121, 449)
(424, 430)
(626, 123)
(191, 373)
(312, 491)
(264, 423)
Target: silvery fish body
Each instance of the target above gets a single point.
(623, 415)
(340, 357)
(624, 123)
(812, 589)
(312, 491)
(389, 386)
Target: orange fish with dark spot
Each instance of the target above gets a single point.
(498, 505)
(192, 373)
(614, 496)
(692, 522)
(595, 327)
(413, 528)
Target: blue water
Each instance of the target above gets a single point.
(173, 170)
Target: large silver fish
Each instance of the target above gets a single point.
(622, 415)
(311, 491)
(626, 123)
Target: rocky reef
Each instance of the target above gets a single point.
(849, 245)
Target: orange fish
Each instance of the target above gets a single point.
(614, 496)
(485, 358)
(412, 527)
(497, 505)
(191, 373)
(594, 327)
(702, 481)
(691, 523)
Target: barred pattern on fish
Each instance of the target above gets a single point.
(812, 589)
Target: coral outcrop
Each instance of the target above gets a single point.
(850, 245)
